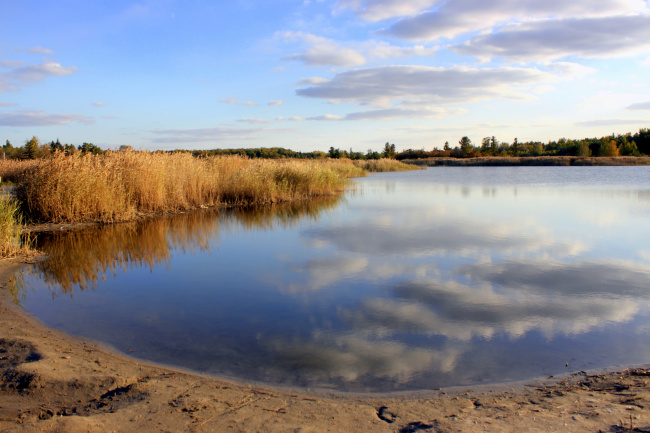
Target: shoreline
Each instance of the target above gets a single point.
(52, 381)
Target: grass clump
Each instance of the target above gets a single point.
(11, 240)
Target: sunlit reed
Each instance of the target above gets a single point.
(122, 186)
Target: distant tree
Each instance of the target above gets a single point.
(583, 149)
(515, 148)
(371, 154)
(89, 147)
(466, 146)
(537, 149)
(389, 151)
(629, 149)
(31, 148)
(124, 148)
(609, 149)
(334, 153)
(56, 146)
(485, 145)
(446, 146)
(494, 145)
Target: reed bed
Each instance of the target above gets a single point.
(122, 186)
(384, 164)
(12, 170)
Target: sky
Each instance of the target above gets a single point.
(311, 74)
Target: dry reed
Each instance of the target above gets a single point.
(12, 170)
(121, 186)
(12, 242)
(384, 164)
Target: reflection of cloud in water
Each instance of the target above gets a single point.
(351, 357)
(553, 298)
(329, 271)
(414, 235)
(614, 279)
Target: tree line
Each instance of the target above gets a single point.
(612, 145)
(33, 149)
(628, 144)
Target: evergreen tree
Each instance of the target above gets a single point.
(31, 148)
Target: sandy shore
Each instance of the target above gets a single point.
(52, 382)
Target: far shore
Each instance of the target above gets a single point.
(533, 161)
(55, 382)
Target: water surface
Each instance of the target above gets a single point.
(418, 280)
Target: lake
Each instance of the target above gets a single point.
(410, 281)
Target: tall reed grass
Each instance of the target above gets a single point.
(121, 186)
(12, 170)
(384, 164)
(12, 242)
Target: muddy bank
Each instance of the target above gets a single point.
(52, 382)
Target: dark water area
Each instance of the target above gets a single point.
(418, 280)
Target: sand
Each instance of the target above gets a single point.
(52, 382)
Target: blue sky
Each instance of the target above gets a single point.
(307, 75)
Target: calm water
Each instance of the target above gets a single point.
(449, 276)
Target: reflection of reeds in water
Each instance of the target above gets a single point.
(122, 185)
(81, 258)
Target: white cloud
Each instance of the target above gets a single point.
(311, 81)
(322, 51)
(205, 134)
(11, 64)
(456, 17)
(99, 104)
(639, 106)
(551, 39)
(612, 122)
(38, 50)
(255, 121)
(275, 103)
(377, 10)
(383, 50)
(22, 73)
(325, 117)
(238, 102)
(34, 73)
(570, 69)
(396, 112)
(7, 104)
(377, 86)
(40, 118)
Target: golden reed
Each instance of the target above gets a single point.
(122, 186)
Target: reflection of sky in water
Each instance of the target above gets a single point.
(418, 280)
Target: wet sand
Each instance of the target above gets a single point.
(52, 382)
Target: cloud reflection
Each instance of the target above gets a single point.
(513, 298)
(352, 357)
(418, 235)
